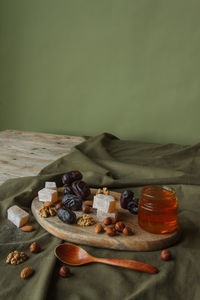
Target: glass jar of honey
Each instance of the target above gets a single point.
(158, 209)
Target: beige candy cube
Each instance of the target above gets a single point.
(50, 185)
(105, 203)
(17, 215)
(102, 215)
(48, 195)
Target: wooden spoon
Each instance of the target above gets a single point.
(76, 256)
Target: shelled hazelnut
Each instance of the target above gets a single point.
(86, 209)
(119, 226)
(88, 203)
(59, 205)
(107, 221)
(111, 231)
(109, 226)
(64, 271)
(35, 247)
(165, 255)
(47, 203)
(127, 231)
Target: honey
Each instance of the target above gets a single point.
(158, 209)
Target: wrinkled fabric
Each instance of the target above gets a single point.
(107, 161)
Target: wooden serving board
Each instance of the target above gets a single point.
(140, 241)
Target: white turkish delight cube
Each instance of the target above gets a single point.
(105, 203)
(48, 195)
(17, 215)
(50, 185)
(101, 215)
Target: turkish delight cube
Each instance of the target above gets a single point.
(50, 185)
(48, 195)
(101, 215)
(105, 203)
(17, 216)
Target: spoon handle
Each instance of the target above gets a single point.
(128, 264)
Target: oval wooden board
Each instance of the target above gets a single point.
(140, 241)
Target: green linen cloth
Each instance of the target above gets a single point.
(107, 161)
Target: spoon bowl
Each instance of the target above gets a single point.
(76, 256)
(72, 255)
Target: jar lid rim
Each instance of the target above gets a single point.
(156, 186)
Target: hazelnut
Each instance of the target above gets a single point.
(59, 205)
(47, 203)
(127, 231)
(86, 209)
(111, 231)
(107, 221)
(35, 247)
(119, 226)
(165, 255)
(98, 228)
(64, 271)
(88, 203)
(109, 226)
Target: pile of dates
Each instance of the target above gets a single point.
(74, 185)
(128, 201)
(75, 192)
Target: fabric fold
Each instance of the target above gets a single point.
(108, 161)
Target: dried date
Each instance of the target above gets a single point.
(72, 202)
(80, 189)
(71, 176)
(132, 206)
(126, 196)
(66, 215)
(68, 190)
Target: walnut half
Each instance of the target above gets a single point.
(46, 211)
(16, 257)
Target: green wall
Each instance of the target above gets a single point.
(83, 67)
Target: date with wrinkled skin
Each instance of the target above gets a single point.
(71, 176)
(125, 198)
(80, 189)
(66, 215)
(68, 190)
(72, 202)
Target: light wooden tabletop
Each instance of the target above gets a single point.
(26, 153)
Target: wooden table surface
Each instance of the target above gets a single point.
(26, 153)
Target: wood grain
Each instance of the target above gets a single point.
(26, 153)
(140, 241)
